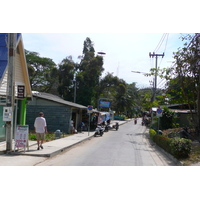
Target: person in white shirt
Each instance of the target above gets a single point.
(40, 129)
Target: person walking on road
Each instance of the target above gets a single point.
(40, 129)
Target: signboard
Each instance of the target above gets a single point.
(104, 104)
(7, 114)
(21, 136)
(89, 109)
(20, 91)
(159, 112)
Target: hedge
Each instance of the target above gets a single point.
(178, 147)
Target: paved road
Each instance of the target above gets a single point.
(126, 147)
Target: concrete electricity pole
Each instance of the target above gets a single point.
(197, 35)
(10, 100)
(155, 81)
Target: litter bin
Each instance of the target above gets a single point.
(58, 134)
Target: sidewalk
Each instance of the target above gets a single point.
(56, 146)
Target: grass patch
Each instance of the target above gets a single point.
(194, 156)
(48, 137)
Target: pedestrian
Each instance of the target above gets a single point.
(40, 129)
(72, 126)
(82, 125)
(135, 120)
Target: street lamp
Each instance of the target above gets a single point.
(101, 53)
(140, 72)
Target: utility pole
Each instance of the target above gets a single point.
(197, 35)
(156, 66)
(10, 100)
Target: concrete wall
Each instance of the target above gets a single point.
(57, 115)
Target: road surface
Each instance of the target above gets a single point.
(128, 146)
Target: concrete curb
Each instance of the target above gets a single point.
(54, 153)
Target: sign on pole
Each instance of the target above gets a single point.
(159, 112)
(21, 136)
(89, 109)
(7, 114)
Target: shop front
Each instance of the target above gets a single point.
(22, 89)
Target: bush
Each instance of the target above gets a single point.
(163, 142)
(32, 137)
(152, 133)
(48, 137)
(181, 147)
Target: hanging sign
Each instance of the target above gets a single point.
(20, 91)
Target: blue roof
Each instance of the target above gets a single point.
(4, 52)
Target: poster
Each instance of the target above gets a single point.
(21, 136)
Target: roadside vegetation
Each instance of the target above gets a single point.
(48, 137)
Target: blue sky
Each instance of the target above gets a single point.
(125, 52)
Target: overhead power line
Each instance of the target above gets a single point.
(161, 41)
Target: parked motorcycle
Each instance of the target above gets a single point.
(99, 130)
(116, 126)
(107, 128)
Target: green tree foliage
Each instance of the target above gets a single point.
(178, 93)
(168, 119)
(84, 77)
(88, 75)
(42, 72)
(145, 99)
(183, 76)
(66, 76)
(122, 95)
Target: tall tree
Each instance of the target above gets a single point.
(88, 75)
(66, 76)
(186, 72)
(42, 72)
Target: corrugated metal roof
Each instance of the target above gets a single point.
(4, 52)
(57, 99)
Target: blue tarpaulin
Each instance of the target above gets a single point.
(4, 51)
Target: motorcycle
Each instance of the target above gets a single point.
(107, 128)
(116, 126)
(135, 121)
(99, 130)
(143, 123)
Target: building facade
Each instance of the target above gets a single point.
(57, 112)
(22, 88)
